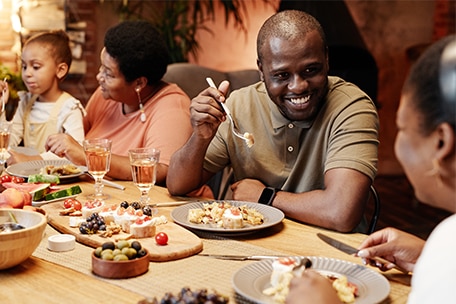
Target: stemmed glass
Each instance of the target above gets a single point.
(98, 160)
(5, 129)
(143, 163)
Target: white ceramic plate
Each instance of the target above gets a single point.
(251, 280)
(33, 167)
(272, 216)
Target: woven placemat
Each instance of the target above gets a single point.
(196, 272)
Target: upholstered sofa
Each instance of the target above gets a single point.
(192, 78)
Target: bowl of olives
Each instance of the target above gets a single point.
(120, 260)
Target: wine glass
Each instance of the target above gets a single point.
(98, 160)
(144, 163)
(5, 129)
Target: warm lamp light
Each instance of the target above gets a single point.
(16, 23)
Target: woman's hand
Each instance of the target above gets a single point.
(313, 288)
(398, 247)
(63, 145)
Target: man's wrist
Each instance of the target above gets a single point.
(268, 195)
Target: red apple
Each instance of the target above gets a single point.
(3, 202)
(14, 198)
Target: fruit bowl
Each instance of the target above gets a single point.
(17, 246)
(120, 269)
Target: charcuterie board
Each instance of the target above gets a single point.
(182, 242)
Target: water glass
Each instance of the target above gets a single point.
(5, 129)
(144, 163)
(98, 161)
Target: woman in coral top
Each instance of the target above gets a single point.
(132, 106)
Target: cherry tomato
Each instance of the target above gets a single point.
(6, 178)
(72, 202)
(77, 205)
(67, 203)
(161, 238)
(17, 179)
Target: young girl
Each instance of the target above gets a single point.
(45, 109)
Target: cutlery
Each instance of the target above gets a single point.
(170, 204)
(241, 257)
(112, 184)
(247, 137)
(352, 250)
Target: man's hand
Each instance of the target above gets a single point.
(248, 190)
(206, 113)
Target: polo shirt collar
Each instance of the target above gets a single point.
(279, 121)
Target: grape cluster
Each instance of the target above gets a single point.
(92, 224)
(186, 296)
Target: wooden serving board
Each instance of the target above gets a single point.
(181, 242)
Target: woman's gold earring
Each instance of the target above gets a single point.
(142, 117)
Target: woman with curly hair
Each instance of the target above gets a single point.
(133, 106)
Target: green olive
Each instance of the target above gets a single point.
(122, 244)
(98, 252)
(107, 256)
(121, 257)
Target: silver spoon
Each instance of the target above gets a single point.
(8, 227)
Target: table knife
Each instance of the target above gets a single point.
(240, 257)
(352, 250)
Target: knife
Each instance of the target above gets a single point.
(353, 251)
(241, 257)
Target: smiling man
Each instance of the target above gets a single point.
(316, 136)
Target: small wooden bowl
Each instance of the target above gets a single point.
(120, 269)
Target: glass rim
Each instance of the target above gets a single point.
(97, 140)
(143, 150)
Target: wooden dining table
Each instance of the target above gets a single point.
(66, 277)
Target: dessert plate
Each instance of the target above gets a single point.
(252, 279)
(272, 216)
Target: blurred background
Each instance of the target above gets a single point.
(372, 43)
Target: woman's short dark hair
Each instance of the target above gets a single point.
(423, 85)
(139, 50)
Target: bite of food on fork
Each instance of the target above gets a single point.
(246, 136)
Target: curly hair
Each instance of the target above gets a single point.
(58, 43)
(139, 50)
(288, 24)
(423, 85)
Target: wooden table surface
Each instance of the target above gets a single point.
(38, 280)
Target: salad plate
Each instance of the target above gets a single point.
(34, 167)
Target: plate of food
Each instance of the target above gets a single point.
(227, 216)
(254, 281)
(61, 167)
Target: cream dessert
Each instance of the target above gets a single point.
(232, 218)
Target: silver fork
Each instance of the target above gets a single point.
(247, 137)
